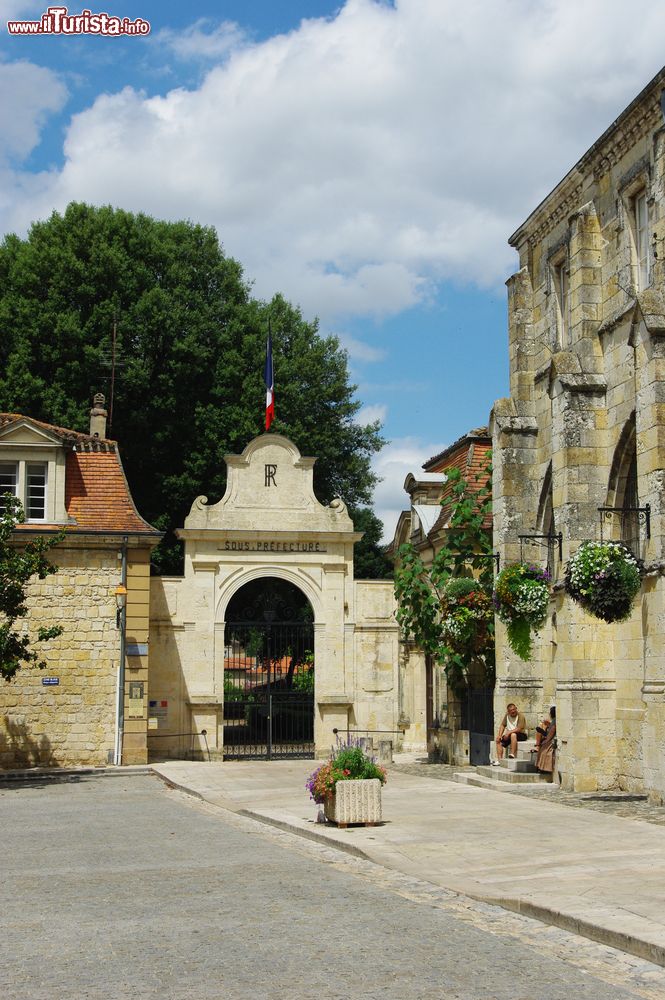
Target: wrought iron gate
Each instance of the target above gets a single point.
(268, 690)
(478, 718)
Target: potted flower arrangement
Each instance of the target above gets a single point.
(604, 578)
(467, 616)
(349, 786)
(521, 600)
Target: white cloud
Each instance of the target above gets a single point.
(35, 93)
(202, 40)
(392, 464)
(370, 414)
(358, 161)
(358, 350)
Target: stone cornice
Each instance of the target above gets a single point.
(517, 425)
(583, 383)
(641, 117)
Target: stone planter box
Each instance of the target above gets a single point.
(355, 802)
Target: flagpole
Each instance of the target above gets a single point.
(269, 380)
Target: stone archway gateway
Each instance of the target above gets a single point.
(269, 672)
(269, 526)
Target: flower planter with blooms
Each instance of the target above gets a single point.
(521, 600)
(604, 578)
(348, 785)
(467, 615)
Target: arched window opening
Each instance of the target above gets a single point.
(547, 523)
(623, 490)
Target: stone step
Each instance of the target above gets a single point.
(513, 776)
(478, 781)
(523, 766)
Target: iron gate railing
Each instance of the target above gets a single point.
(268, 690)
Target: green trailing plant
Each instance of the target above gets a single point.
(521, 600)
(448, 614)
(19, 563)
(604, 578)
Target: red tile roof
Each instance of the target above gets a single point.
(470, 454)
(97, 496)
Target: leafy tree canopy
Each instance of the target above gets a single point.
(17, 565)
(190, 349)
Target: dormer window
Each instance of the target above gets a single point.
(28, 482)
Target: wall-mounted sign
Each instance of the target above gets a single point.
(137, 649)
(158, 709)
(230, 546)
(50, 681)
(136, 689)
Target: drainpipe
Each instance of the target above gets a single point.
(120, 704)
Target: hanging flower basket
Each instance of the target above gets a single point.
(604, 578)
(467, 617)
(521, 600)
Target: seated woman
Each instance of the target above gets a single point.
(511, 731)
(547, 747)
(543, 729)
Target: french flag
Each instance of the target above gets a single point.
(270, 383)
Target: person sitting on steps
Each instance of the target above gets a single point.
(543, 729)
(511, 732)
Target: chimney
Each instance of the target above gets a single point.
(98, 416)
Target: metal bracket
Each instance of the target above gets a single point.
(550, 540)
(643, 516)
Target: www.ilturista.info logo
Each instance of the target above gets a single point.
(58, 21)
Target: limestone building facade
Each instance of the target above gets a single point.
(72, 714)
(583, 429)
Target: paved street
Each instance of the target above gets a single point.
(119, 887)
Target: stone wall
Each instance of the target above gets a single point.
(71, 722)
(587, 387)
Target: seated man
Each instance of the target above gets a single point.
(511, 731)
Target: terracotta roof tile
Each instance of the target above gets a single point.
(97, 495)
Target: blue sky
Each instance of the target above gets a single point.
(369, 159)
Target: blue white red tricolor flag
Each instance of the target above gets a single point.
(270, 383)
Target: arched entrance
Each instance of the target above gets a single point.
(268, 672)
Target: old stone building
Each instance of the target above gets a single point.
(439, 719)
(583, 429)
(72, 714)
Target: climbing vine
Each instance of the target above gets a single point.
(446, 606)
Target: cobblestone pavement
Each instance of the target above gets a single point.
(614, 803)
(123, 888)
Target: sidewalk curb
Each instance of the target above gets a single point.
(577, 925)
(602, 935)
(319, 838)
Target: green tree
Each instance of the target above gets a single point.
(447, 613)
(370, 561)
(18, 564)
(190, 347)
